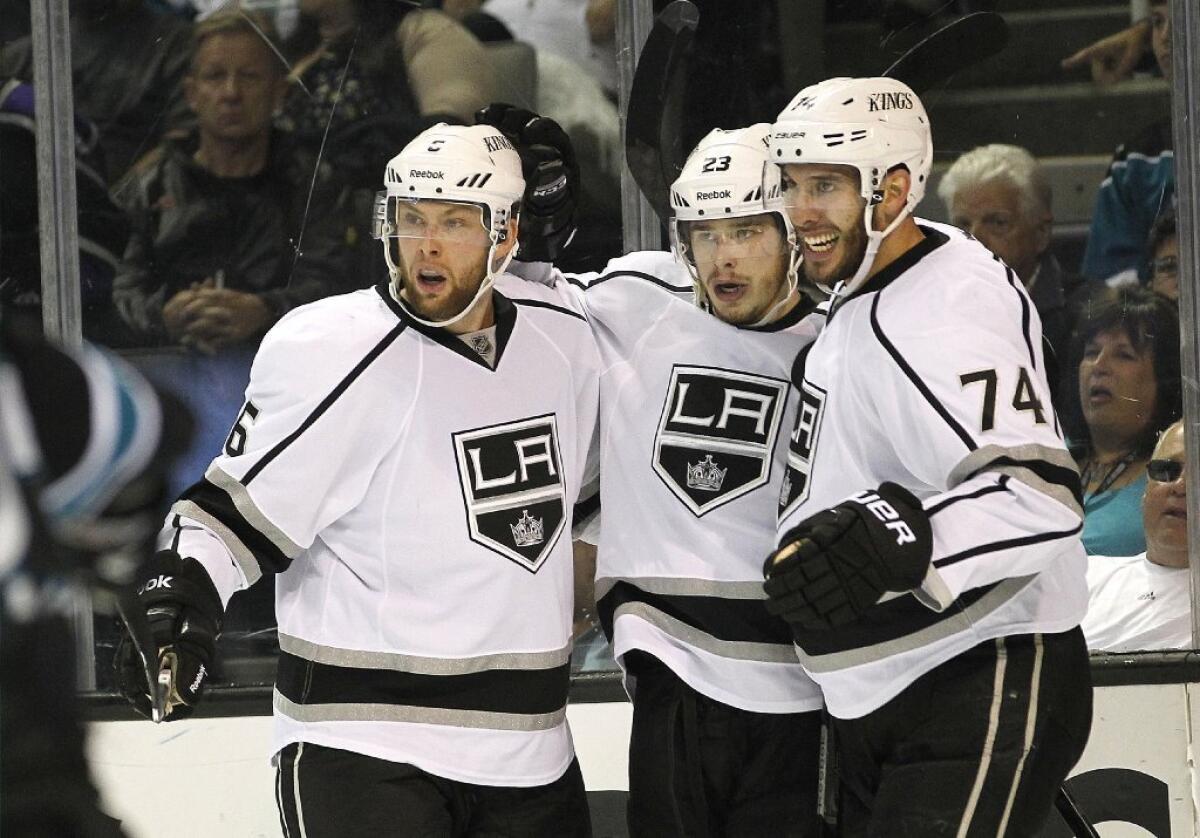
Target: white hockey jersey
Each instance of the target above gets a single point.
(932, 376)
(416, 505)
(694, 421)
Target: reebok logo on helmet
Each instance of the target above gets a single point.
(427, 173)
(716, 194)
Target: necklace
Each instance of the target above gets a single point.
(1109, 477)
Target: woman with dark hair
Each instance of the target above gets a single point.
(1125, 390)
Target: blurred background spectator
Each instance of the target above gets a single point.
(1143, 602)
(103, 229)
(1141, 179)
(226, 235)
(1000, 195)
(1126, 390)
(1164, 256)
(127, 64)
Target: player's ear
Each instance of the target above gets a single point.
(896, 185)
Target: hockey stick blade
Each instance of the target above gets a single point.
(653, 119)
(958, 45)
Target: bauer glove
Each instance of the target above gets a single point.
(548, 208)
(184, 613)
(834, 566)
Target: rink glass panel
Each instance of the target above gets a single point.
(749, 59)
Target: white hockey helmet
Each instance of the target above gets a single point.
(469, 164)
(872, 124)
(722, 178)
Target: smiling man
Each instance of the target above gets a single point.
(929, 561)
(1144, 602)
(406, 461)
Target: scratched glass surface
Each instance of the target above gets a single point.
(228, 156)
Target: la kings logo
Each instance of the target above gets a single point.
(797, 479)
(717, 433)
(511, 478)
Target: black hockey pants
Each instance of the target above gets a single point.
(976, 747)
(702, 769)
(328, 793)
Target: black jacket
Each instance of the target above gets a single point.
(260, 234)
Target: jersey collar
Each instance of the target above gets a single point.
(932, 241)
(803, 307)
(505, 313)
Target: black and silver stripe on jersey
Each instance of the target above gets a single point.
(900, 625)
(508, 691)
(732, 626)
(651, 278)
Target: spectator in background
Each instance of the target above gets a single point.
(1164, 257)
(1126, 390)
(226, 236)
(1141, 179)
(1144, 602)
(127, 64)
(372, 75)
(1000, 195)
(103, 230)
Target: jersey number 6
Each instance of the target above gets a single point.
(1024, 398)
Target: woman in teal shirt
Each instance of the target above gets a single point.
(1126, 390)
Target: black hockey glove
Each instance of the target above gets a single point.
(551, 172)
(836, 565)
(184, 612)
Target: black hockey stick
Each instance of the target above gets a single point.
(958, 45)
(1078, 824)
(654, 115)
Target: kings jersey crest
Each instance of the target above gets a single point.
(512, 484)
(717, 433)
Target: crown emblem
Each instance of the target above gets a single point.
(785, 489)
(705, 475)
(528, 531)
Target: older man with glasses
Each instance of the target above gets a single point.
(1142, 602)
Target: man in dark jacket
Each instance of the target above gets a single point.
(227, 236)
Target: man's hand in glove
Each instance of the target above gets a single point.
(834, 566)
(551, 179)
(184, 612)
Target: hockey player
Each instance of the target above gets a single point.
(929, 559)
(406, 461)
(695, 407)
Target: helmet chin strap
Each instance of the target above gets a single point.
(874, 240)
(489, 280)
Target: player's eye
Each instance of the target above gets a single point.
(745, 234)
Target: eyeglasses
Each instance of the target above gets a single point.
(1164, 471)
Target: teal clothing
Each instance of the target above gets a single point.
(1112, 521)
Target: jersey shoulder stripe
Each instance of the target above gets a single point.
(325, 403)
(916, 380)
(1026, 317)
(654, 280)
(551, 306)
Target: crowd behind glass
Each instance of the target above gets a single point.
(227, 158)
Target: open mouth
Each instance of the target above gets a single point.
(727, 292)
(430, 280)
(820, 244)
(1098, 394)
